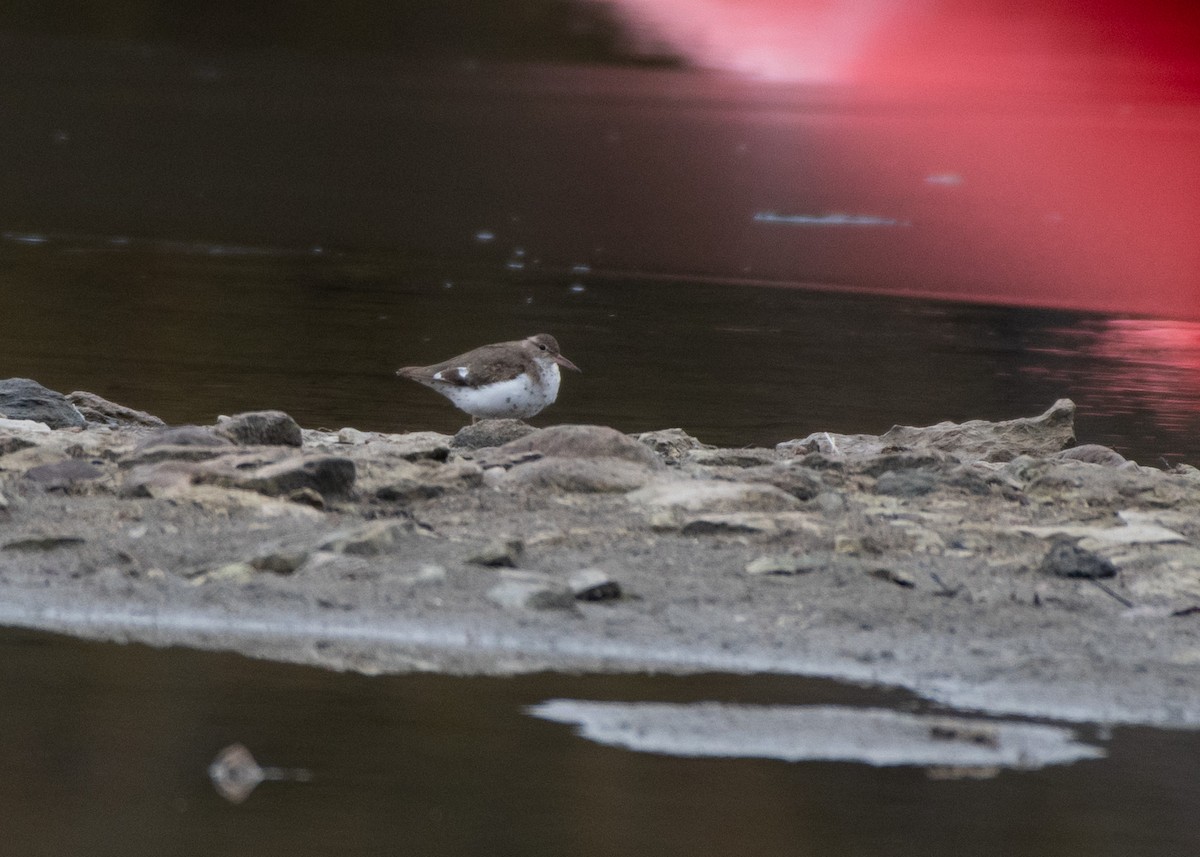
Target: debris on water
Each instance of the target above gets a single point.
(235, 773)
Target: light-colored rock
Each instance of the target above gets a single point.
(783, 564)
(260, 428)
(489, 433)
(18, 426)
(100, 411)
(1046, 434)
(403, 481)
(580, 441)
(690, 495)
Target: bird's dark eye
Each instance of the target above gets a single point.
(542, 347)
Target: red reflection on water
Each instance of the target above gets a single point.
(1138, 366)
(1045, 153)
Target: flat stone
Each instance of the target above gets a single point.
(328, 475)
(499, 553)
(406, 481)
(488, 433)
(26, 399)
(729, 522)
(183, 436)
(419, 445)
(750, 457)
(32, 426)
(576, 475)
(260, 428)
(581, 441)
(1093, 453)
(692, 495)
(100, 411)
(68, 475)
(1046, 434)
(784, 564)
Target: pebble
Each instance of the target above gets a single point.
(499, 553)
(532, 592)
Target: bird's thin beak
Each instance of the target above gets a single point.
(562, 361)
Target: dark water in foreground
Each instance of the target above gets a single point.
(105, 751)
(189, 332)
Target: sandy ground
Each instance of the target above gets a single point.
(978, 565)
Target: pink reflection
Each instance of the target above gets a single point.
(779, 40)
(1142, 366)
(1045, 153)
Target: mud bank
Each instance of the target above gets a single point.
(992, 566)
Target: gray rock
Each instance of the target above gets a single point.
(100, 411)
(25, 399)
(1093, 453)
(1046, 434)
(581, 441)
(751, 457)
(904, 460)
(355, 437)
(670, 444)
(1067, 559)
(906, 483)
(593, 584)
(530, 591)
(832, 445)
(576, 475)
(800, 482)
(407, 482)
(71, 475)
(328, 475)
(283, 561)
(158, 479)
(260, 428)
(183, 436)
(499, 553)
(489, 433)
(728, 522)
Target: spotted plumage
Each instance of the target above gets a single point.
(509, 379)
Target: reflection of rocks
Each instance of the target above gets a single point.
(982, 552)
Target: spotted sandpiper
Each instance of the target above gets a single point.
(508, 379)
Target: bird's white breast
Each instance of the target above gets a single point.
(518, 397)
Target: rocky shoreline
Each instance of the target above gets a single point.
(996, 566)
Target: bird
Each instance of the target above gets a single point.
(507, 379)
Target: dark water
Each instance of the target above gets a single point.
(105, 751)
(192, 331)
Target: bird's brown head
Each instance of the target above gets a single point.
(548, 345)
